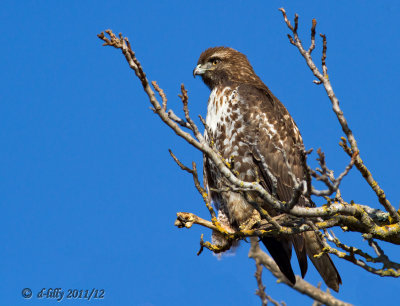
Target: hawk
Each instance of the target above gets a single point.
(252, 130)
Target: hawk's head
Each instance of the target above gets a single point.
(224, 66)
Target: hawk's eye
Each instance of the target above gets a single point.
(215, 61)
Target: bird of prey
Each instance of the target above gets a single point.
(252, 130)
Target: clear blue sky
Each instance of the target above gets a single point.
(88, 191)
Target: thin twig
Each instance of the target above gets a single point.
(261, 288)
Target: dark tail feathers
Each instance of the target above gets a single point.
(281, 252)
(305, 244)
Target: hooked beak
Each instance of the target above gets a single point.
(199, 70)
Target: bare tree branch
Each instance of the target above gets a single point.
(389, 268)
(261, 288)
(327, 177)
(324, 79)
